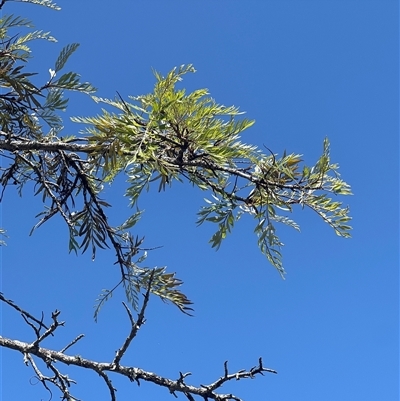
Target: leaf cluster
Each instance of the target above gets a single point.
(165, 136)
(169, 135)
(25, 105)
(155, 139)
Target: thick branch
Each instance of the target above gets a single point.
(16, 145)
(133, 373)
(62, 382)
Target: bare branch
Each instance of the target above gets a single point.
(109, 385)
(50, 330)
(23, 312)
(134, 326)
(72, 342)
(63, 382)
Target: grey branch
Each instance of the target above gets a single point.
(103, 369)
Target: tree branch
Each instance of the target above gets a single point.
(63, 382)
(134, 326)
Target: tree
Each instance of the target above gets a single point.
(155, 139)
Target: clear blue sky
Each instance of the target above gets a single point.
(303, 70)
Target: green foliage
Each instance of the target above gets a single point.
(10, 21)
(46, 3)
(169, 135)
(3, 234)
(64, 56)
(21, 99)
(154, 139)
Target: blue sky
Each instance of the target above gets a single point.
(303, 70)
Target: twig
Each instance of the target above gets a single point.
(63, 382)
(50, 330)
(134, 326)
(72, 342)
(109, 385)
(23, 312)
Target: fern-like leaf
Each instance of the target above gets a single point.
(64, 56)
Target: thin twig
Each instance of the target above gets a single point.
(72, 342)
(134, 326)
(50, 330)
(23, 312)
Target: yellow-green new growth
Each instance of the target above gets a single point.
(169, 135)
